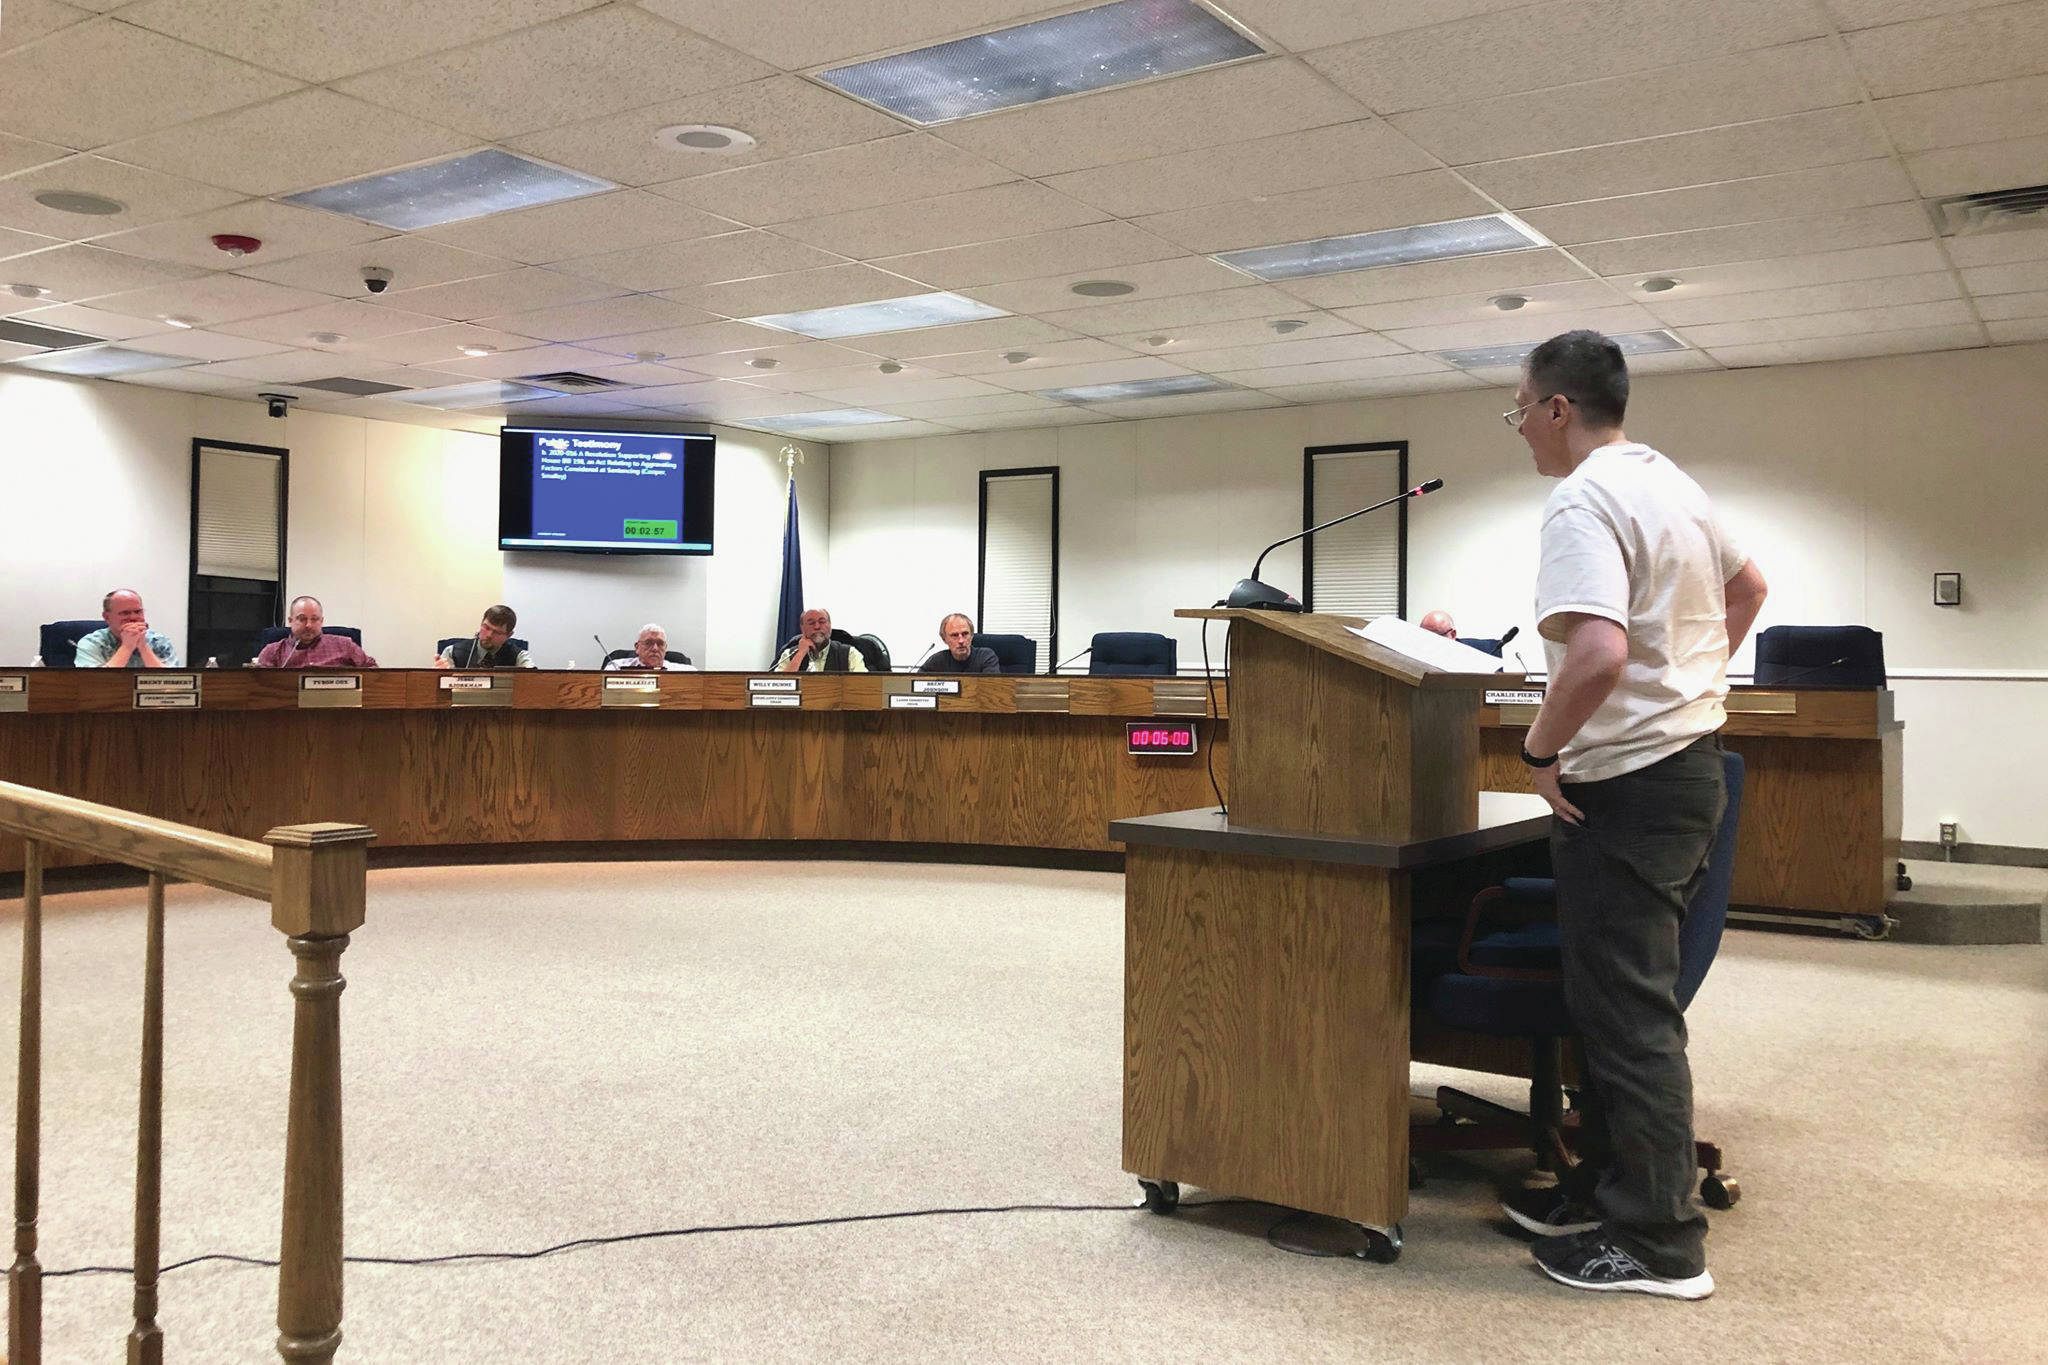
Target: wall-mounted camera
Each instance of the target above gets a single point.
(376, 278)
(276, 403)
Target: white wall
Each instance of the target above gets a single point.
(1851, 483)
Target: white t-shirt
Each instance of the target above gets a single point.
(1629, 537)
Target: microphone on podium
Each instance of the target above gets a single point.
(1250, 592)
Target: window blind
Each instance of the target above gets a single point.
(1357, 566)
(1017, 558)
(237, 514)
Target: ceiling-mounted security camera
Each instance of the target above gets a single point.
(276, 403)
(376, 278)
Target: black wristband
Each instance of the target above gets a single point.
(1536, 762)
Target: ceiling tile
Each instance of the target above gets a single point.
(1783, 80)
(2019, 277)
(1991, 307)
(946, 409)
(1349, 390)
(784, 115)
(1059, 415)
(1664, 253)
(204, 345)
(440, 345)
(1365, 149)
(1994, 111)
(161, 82)
(284, 231)
(1943, 313)
(1482, 275)
(2025, 329)
(211, 300)
(628, 372)
(1202, 109)
(1850, 14)
(292, 367)
(1304, 24)
(24, 21)
(1332, 371)
(1802, 141)
(1958, 49)
(558, 232)
(723, 398)
(864, 175)
(595, 63)
(1671, 362)
(1070, 252)
(1790, 195)
(149, 197)
(1154, 279)
(1035, 379)
(1844, 296)
(1505, 53)
(1286, 351)
(962, 338)
(492, 296)
(886, 391)
(1181, 310)
(600, 318)
(1786, 272)
(1503, 328)
(1210, 336)
(1188, 404)
(680, 343)
(71, 273)
(1474, 307)
(796, 291)
(20, 153)
(1399, 201)
(185, 381)
(878, 431)
(819, 381)
(14, 243)
(412, 261)
(795, 33)
(579, 405)
(74, 317)
(1998, 248)
(536, 360)
(314, 137)
(1043, 355)
(319, 41)
(356, 322)
(791, 356)
(1985, 166)
(734, 256)
(1012, 209)
(1850, 347)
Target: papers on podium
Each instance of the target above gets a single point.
(1427, 647)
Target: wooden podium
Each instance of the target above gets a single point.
(1266, 962)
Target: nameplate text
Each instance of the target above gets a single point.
(331, 682)
(166, 701)
(905, 701)
(1513, 697)
(166, 682)
(467, 682)
(649, 683)
(784, 700)
(773, 684)
(937, 687)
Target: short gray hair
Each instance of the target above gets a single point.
(652, 628)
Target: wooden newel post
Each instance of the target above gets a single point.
(319, 875)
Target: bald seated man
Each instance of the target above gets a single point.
(126, 641)
(309, 645)
(650, 653)
(815, 651)
(1440, 623)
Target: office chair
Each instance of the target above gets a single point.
(1482, 644)
(1132, 653)
(1820, 656)
(440, 646)
(1507, 983)
(874, 651)
(1015, 653)
(270, 635)
(673, 656)
(58, 641)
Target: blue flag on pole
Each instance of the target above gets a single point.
(790, 610)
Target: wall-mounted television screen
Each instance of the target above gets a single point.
(605, 492)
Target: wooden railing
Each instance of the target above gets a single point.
(313, 877)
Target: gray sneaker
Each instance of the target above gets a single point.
(1548, 1211)
(1591, 1261)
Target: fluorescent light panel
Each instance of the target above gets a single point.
(1068, 54)
(1484, 236)
(458, 397)
(1137, 388)
(882, 315)
(831, 417)
(450, 190)
(1501, 357)
(102, 360)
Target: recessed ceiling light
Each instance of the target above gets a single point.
(182, 324)
(1508, 303)
(27, 291)
(478, 350)
(883, 315)
(1285, 325)
(1483, 236)
(76, 201)
(1101, 289)
(890, 367)
(831, 417)
(704, 137)
(460, 396)
(21, 332)
(327, 338)
(1016, 357)
(1137, 388)
(647, 357)
(1659, 284)
(102, 360)
(1159, 341)
(764, 362)
(451, 190)
(1502, 357)
(1092, 49)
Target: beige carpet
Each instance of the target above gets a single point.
(537, 1053)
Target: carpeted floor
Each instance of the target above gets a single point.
(541, 1053)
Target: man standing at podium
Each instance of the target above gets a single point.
(1640, 599)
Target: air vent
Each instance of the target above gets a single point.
(49, 338)
(356, 388)
(570, 381)
(1968, 215)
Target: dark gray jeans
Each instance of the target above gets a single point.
(1623, 880)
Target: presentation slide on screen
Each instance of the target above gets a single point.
(607, 489)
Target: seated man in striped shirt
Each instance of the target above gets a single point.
(308, 646)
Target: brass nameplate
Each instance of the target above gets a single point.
(478, 689)
(910, 701)
(324, 691)
(781, 700)
(634, 690)
(1764, 703)
(167, 701)
(789, 684)
(1180, 698)
(1519, 715)
(13, 692)
(1044, 695)
(467, 682)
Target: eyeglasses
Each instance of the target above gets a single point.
(1521, 414)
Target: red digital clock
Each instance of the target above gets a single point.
(1159, 737)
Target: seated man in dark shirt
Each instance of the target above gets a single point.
(960, 654)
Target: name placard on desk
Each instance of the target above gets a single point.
(166, 691)
(910, 701)
(467, 682)
(325, 690)
(13, 692)
(631, 690)
(936, 687)
(1497, 696)
(167, 701)
(779, 700)
(477, 689)
(773, 684)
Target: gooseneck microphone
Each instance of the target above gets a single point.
(1513, 631)
(1250, 592)
(1064, 662)
(929, 650)
(604, 656)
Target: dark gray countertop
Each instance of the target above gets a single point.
(1505, 820)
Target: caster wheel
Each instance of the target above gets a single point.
(1870, 928)
(1904, 882)
(1161, 1196)
(1415, 1177)
(1382, 1248)
(1719, 1191)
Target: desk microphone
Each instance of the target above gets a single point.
(1513, 631)
(1250, 592)
(604, 656)
(1064, 662)
(929, 650)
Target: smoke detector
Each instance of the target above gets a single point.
(714, 138)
